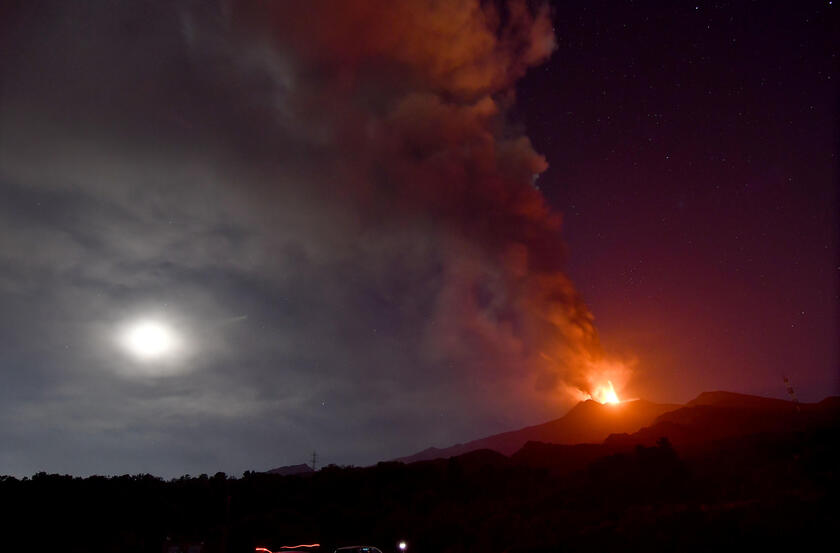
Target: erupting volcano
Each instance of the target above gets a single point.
(604, 381)
(589, 421)
(605, 393)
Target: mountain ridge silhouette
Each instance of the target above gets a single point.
(587, 422)
(591, 429)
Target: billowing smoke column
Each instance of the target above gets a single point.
(407, 100)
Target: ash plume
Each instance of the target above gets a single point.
(412, 98)
(340, 177)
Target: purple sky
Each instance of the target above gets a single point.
(693, 152)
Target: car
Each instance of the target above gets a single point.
(358, 549)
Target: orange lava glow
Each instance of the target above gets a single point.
(604, 381)
(605, 393)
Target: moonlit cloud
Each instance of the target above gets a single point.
(334, 231)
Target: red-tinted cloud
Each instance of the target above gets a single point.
(415, 96)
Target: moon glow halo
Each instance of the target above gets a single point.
(149, 340)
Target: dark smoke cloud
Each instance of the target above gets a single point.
(327, 199)
(418, 93)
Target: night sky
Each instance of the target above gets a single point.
(693, 153)
(233, 233)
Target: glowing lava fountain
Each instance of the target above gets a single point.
(605, 393)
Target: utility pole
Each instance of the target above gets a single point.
(314, 460)
(789, 388)
(797, 429)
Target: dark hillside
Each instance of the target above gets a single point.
(756, 491)
(587, 422)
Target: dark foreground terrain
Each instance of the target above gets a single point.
(719, 490)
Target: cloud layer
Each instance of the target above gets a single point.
(327, 201)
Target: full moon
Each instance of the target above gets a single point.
(149, 340)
